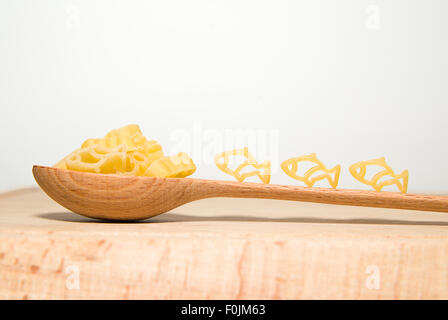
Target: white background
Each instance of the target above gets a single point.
(350, 79)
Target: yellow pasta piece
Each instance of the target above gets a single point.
(138, 162)
(98, 159)
(222, 162)
(126, 151)
(62, 163)
(176, 166)
(130, 135)
(290, 167)
(358, 171)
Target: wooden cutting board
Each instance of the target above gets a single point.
(222, 249)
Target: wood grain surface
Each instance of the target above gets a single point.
(222, 249)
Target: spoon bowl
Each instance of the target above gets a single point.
(121, 197)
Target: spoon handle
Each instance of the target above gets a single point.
(349, 197)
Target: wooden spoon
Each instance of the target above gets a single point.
(117, 197)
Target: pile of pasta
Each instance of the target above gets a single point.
(126, 151)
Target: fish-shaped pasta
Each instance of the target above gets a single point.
(290, 167)
(358, 171)
(262, 170)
